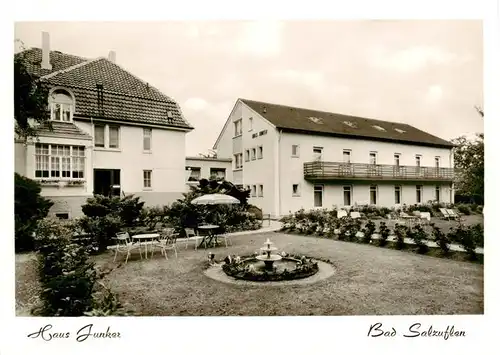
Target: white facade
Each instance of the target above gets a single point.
(281, 174)
(205, 168)
(164, 165)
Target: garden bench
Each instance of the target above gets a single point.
(445, 213)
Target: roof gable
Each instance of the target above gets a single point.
(295, 119)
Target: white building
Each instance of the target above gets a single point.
(207, 168)
(113, 134)
(293, 158)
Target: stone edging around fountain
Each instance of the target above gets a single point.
(326, 270)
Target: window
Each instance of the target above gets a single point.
(261, 191)
(373, 194)
(62, 215)
(114, 136)
(254, 190)
(61, 106)
(295, 151)
(318, 195)
(238, 161)
(59, 161)
(347, 195)
(237, 128)
(438, 193)
(399, 130)
(147, 135)
(247, 154)
(250, 124)
(397, 194)
(254, 153)
(259, 152)
(419, 193)
(373, 158)
(418, 159)
(295, 190)
(218, 173)
(99, 135)
(436, 162)
(346, 156)
(379, 128)
(317, 153)
(195, 173)
(350, 124)
(396, 159)
(147, 178)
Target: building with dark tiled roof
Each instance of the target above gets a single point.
(292, 158)
(112, 133)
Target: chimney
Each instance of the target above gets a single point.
(46, 51)
(112, 56)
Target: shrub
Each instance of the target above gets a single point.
(368, 232)
(419, 236)
(66, 274)
(441, 239)
(383, 232)
(255, 210)
(128, 208)
(400, 232)
(464, 209)
(467, 238)
(348, 228)
(29, 208)
(101, 230)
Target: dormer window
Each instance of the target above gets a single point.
(61, 106)
(350, 124)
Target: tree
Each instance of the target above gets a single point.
(30, 99)
(469, 160)
(29, 207)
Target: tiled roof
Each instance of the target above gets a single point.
(301, 120)
(63, 129)
(126, 98)
(59, 61)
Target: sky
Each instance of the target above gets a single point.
(425, 73)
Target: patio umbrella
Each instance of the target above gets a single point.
(215, 199)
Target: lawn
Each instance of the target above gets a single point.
(369, 281)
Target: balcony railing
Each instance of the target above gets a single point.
(320, 170)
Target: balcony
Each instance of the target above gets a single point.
(324, 171)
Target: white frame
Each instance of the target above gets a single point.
(238, 128)
(350, 189)
(50, 156)
(236, 156)
(118, 136)
(297, 151)
(419, 192)
(374, 155)
(400, 189)
(348, 151)
(296, 194)
(318, 188)
(144, 179)
(260, 190)
(260, 152)
(150, 136)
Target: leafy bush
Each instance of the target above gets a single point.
(464, 209)
(348, 228)
(441, 239)
(101, 230)
(128, 208)
(66, 273)
(419, 236)
(400, 232)
(368, 232)
(29, 208)
(383, 232)
(467, 238)
(255, 210)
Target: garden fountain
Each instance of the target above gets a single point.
(267, 257)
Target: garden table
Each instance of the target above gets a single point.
(143, 239)
(209, 237)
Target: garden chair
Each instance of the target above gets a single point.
(445, 213)
(167, 242)
(227, 241)
(453, 214)
(193, 236)
(125, 245)
(341, 213)
(355, 215)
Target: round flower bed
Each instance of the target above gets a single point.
(288, 268)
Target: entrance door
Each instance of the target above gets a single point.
(107, 182)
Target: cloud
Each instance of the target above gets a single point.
(261, 38)
(309, 78)
(414, 58)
